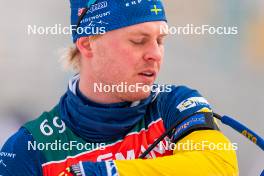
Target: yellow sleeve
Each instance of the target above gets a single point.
(204, 162)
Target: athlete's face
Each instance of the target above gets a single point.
(131, 55)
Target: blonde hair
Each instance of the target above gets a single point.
(71, 57)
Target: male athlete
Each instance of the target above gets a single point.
(97, 132)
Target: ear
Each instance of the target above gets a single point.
(84, 46)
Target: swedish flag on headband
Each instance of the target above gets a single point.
(156, 9)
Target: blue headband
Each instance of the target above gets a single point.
(107, 15)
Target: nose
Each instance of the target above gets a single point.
(154, 52)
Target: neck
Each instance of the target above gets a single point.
(86, 86)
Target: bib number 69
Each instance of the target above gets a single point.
(47, 130)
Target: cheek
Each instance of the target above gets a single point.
(124, 51)
(114, 62)
(162, 56)
(124, 57)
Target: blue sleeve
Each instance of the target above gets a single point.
(16, 159)
(180, 102)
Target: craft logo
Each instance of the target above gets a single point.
(98, 6)
(93, 8)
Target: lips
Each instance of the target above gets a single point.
(148, 73)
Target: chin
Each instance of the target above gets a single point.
(134, 96)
